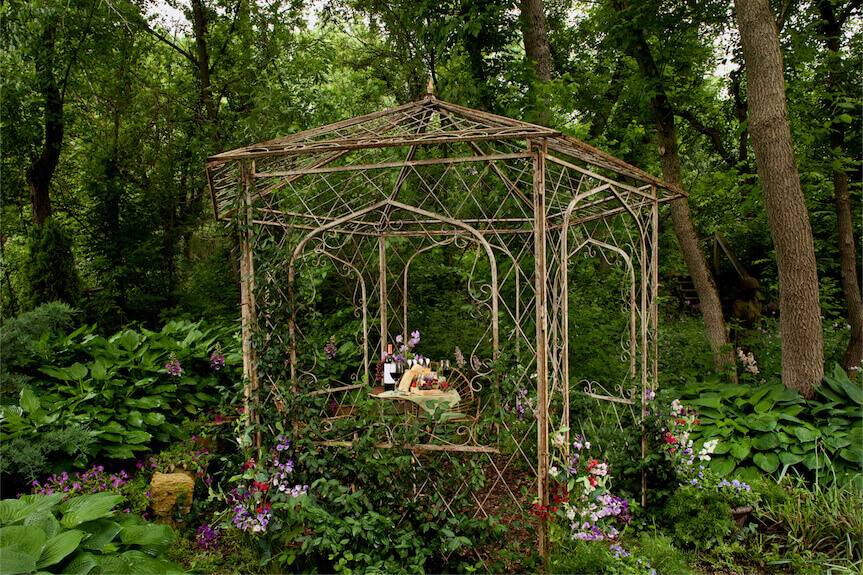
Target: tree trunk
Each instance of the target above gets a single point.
(831, 29)
(537, 50)
(199, 24)
(41, 170)
(799, 305)
(684, 229)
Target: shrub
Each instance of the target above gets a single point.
(82, 535)
(50, 266)
(121, 389)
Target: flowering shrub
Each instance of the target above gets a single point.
(94, 480)
(263, 488)
(580, 493)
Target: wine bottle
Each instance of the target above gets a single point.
(389, 369)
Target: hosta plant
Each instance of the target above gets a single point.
(83, 535)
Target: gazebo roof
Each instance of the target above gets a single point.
(428, 121)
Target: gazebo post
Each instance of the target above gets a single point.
(541, 279)
(247, 305)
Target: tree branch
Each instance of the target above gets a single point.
(712, 133)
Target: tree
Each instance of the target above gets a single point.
(663, 113)
(831, 25)
(799, 305)
(537, 51)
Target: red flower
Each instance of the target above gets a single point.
(262, 485)
(593, 481)
(670, 438)
(249, 464)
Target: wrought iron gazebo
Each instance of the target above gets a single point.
(369, 194)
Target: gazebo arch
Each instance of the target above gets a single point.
(373, 191)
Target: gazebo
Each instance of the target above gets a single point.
(365, 196)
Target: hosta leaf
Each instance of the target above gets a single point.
(119, 451)
(59, 547)
(129, 340)
(707, 400)
(102, 532)
(27, 539)
(805, 433)
(137, 436)
(837, 441)
(113, 427)
(15, 562)
(152, 539)
(722, 466)
(765, 441)
(29, 400)
(740, 449)
(44, 521)
(761, 421)
(15, 510)
(154, 418)
(80, 565)
(77, 371)
(87, 508)
(135, 418)
(813, 461)
(98, 369)
(854, 454)
(769, 462)
(788, 458)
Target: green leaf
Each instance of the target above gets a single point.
(59, 547)
(137, 436)
(707, 400)
(722, 466)
(80, 565)
(769, 462)
(765, 441)
(119, 451)
(853, 454)
(129, 340)
(113, 427)
(44, 521)
(27, 539)
(87, 508)
(135, 418)
(788, 458)
(154, 418)
(152, 539)
(102, 532)
(741, 448)
(761, 422)
(14, 510)
(29, 400)
(805, 433)
(99, 369)
(15, 562)
(78, 371)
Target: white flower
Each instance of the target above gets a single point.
(553, 471)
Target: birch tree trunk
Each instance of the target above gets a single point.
(799, 305)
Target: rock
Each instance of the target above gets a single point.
(171, 494)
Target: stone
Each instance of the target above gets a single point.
(171, 494)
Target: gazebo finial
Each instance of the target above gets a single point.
(430, 88)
